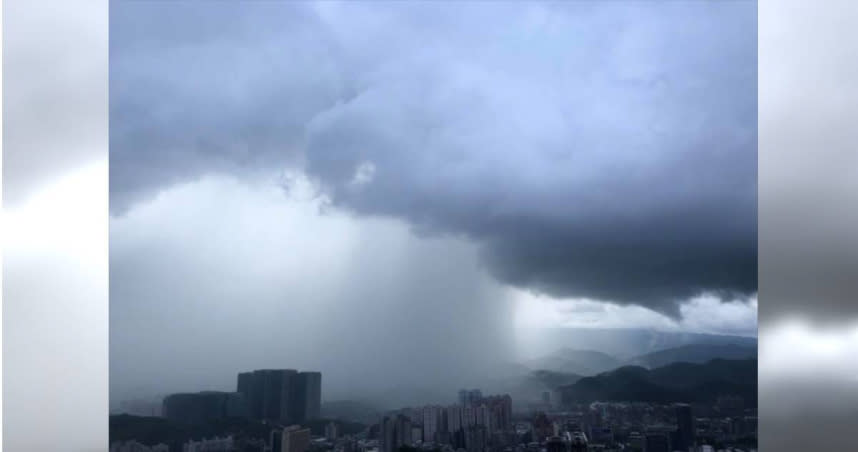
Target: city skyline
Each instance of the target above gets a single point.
(477, 423)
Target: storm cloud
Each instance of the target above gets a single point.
(592, 152)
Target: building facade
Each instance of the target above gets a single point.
(295, 439)
(394, 432)
(281, 395)
(685, 434)
(201, 407)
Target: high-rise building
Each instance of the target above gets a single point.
(432, 420)
(635, 442)
(276, 440)
(454, 418)
(245, 383)
(750, 424)
(542, 427)
(269, 393)
(277, 385)
(404, 432)
(578, 442)
(331, 431)
(469, 416)
(475, 438)
(282, 395)
(200, 407)
(415, 414)
(250, 385)
(684, 427)
(296, 439)
(394, 432)
(481, 415)
(657, 442)
(499, 412)
(475, 396)
(290, 439)
(469, 397)
(140, 407)
(307, 396)
(443, 424)
(555, 444)
(386, 434)
(604, 434)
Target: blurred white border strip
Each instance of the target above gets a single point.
(55, 225)
(2, 230)
(808, 321)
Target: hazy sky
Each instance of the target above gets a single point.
(395, 191)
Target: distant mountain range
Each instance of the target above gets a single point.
(676, 374)
(695, 353)
(528, 388)
(553, 380)
(623, 344)
(572, 361)
(677, 382)
(588, 362)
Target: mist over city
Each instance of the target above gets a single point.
(376, 226)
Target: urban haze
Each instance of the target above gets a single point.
(493, 207)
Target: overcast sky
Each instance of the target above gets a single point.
(386, 192)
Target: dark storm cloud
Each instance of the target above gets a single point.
(208, 87)
(592, 151)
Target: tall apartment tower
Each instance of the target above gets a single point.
(684, 427)
(269, 393)
(394, 432)
(282, 395)
(470, 397)
(200, 407)
(295, 439)
(431, 422)
(463, 397)
(276, 440)
(307, 398)
(454, 418)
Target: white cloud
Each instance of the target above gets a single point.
(710, 314)
(364, 174)
(703, 314)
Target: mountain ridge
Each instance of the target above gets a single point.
(694, 353)
(677, 382)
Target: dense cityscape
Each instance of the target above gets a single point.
(279, 411)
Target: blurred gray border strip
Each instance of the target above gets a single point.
(55, 151)
(808, 224)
